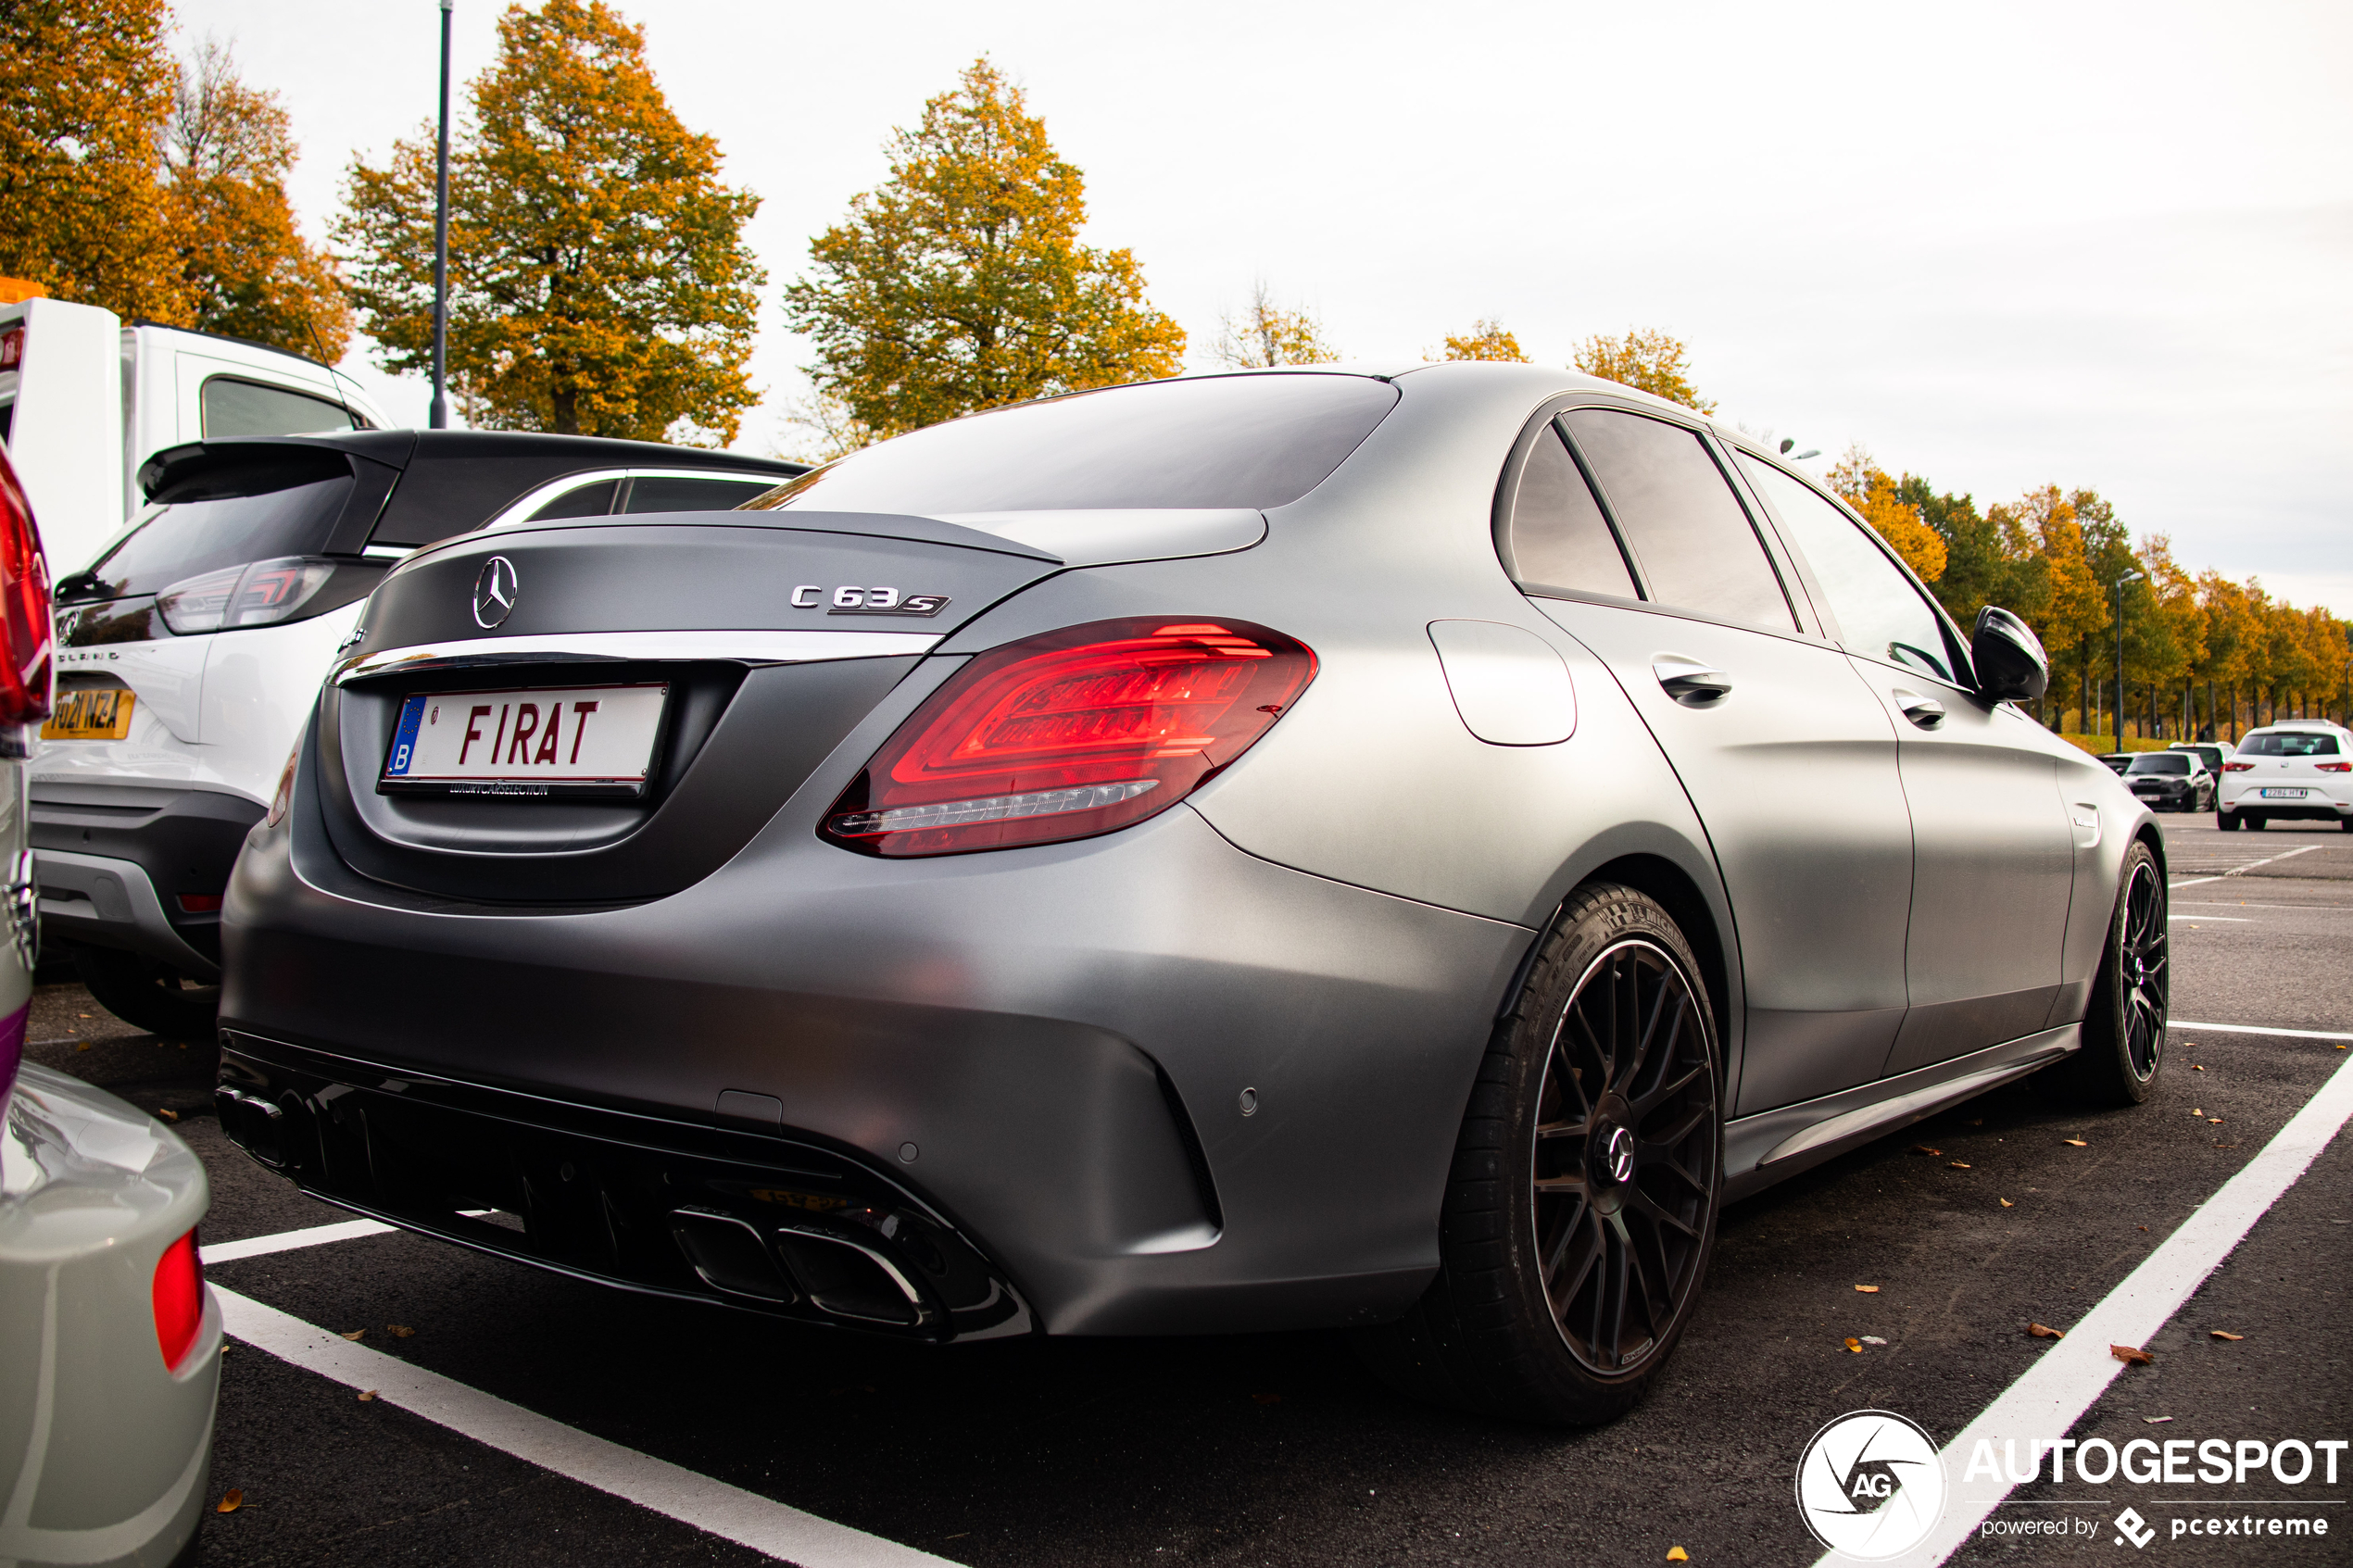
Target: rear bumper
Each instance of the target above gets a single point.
(2315, 807)
(111, 903)
(114, 861)
(1043, 1051)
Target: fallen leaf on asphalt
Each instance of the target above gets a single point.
(84, 1047)
(2155, 1419)
(1978, 1123)
(2145, 1227)
(354, 1335)
(1957, 1165)
(366, 1395)
(2195, 1068)
(81, 1015)
(2008, 1204)
(231, 1501)
(2224, 1334)
(1873, 1339)
(1856, 1346)
(1867, 1289)
(2131, 1355)
(2214, 1120)
(2196, 1110)
(169, 1115)
(2044, 1331)
(1677, 1554)
(2076, 1142)
(1923, 1148)
(400, 1331)
(1268, 1398)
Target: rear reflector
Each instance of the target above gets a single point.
(178, 1297)
(199, 903)
(1076, 732)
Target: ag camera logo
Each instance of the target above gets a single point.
(1870, 1485)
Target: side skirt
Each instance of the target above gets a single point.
(1773, 1144)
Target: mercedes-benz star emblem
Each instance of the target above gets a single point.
(495, 592)
(1620, 1153)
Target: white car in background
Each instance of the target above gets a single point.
(110, 1364)
(2298, 770)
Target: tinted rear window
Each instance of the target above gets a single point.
(2288, 744)
(1219, 442)
(244, 407)
(2150, 762)
(665, 493)
(178, 539)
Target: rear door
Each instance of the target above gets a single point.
(1993, 851)
(1787, 757)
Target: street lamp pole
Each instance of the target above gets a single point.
(2128, 577)
(438, 417)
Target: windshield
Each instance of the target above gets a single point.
(181, 539)
(2152, 763)
(1255, 441)
(2289, 743)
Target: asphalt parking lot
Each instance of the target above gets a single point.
(1279, 1449)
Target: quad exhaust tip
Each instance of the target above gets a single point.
(839, 1275)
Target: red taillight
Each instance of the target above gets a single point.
(1070, 734)
(12, 349)
(24, 609)
(179, 1300)
(2237, 767)
(2335, 767)
(199, 903)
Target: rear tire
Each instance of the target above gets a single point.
(2123, 1048)
(2227, 822)
(148, 993)
(1580, 1214)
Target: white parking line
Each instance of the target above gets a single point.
(730, 1512)
(2251, 1029)
(286, 1241)
(2054, 1394)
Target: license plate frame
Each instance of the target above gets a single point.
(73, 719)
(646, 705)
(2283, 794)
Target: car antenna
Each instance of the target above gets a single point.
(334, 377)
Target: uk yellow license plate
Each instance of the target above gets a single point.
(102, 713)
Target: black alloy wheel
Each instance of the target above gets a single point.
(1623, 1173)
(1580, 1214)
(2124, 1045)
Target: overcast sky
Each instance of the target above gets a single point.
(2000, 246)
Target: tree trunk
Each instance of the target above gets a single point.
(564, 404)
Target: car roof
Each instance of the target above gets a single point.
(2300, 726)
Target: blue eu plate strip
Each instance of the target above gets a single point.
(404, 737)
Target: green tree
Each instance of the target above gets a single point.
(599, 279)
(85, 89)
(1486, 340)
(1265, 336)
(245, 267)
(960, 283)
(1646, 360)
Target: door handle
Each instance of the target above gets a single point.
(1925, 711)
(1691, 683)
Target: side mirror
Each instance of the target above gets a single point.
(2011, 666)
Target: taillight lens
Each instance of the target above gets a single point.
(179, 1296)
(2237, 767)
(264, 593)
(2335, 767)
(1070, 734)
(24, 609)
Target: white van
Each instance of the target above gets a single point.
(85, 400)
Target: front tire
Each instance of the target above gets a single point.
(150, 995)
(1580, 1214)
(2123, 1047)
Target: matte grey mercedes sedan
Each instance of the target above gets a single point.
(1390, 848)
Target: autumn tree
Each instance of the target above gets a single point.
(599, 281)
(1264, 334)
(1872, 492)
(245, 267)
(960, 283)
(85, 89)
(1646, 360)
(1486, 340)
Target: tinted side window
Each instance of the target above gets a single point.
(244, 407)
(589, 500)
(183, 539)
(1880, 614)
(654, 493)
(1557, 538)
(1690, 535)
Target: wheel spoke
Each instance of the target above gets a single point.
(1658, 1211)
(1639, 1108)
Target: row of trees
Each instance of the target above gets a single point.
(2203, 655)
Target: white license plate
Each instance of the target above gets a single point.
(533, 741)
(2284, 795)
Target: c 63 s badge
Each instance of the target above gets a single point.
(867, 601)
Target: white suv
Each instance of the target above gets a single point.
(2295, 769)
